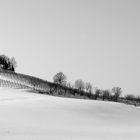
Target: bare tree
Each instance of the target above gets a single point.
(60, 79)
(13, 63)
(69, 85)
(98, 92)
(79, 84)
(88, 87)
(106, 94)
(117, 92)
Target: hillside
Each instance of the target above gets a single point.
(17, 80)
(25, 115)
(21, 81)
(32, 116)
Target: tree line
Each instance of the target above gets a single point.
(60, 86)
(87, 90)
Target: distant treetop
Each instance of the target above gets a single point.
(60, 78)
(7, 63)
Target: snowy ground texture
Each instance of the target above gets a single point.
(30, 116)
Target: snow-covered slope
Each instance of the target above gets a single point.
(17, 80)
(30, 116)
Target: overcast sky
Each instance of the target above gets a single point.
(94, 40)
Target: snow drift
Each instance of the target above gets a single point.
(29, 116)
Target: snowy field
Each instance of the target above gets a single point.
(30, 116)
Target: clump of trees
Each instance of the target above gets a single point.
(132, 99)
(7, 63)
(85, 90)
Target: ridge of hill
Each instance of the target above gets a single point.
(17, 80)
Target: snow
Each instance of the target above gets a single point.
(29, 116)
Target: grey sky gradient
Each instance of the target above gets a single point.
(94, 40)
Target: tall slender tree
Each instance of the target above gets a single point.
(117, 92)
(88, 87)
(80, 85)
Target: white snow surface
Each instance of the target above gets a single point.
(31, 116)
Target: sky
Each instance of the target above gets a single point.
(97, 41)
